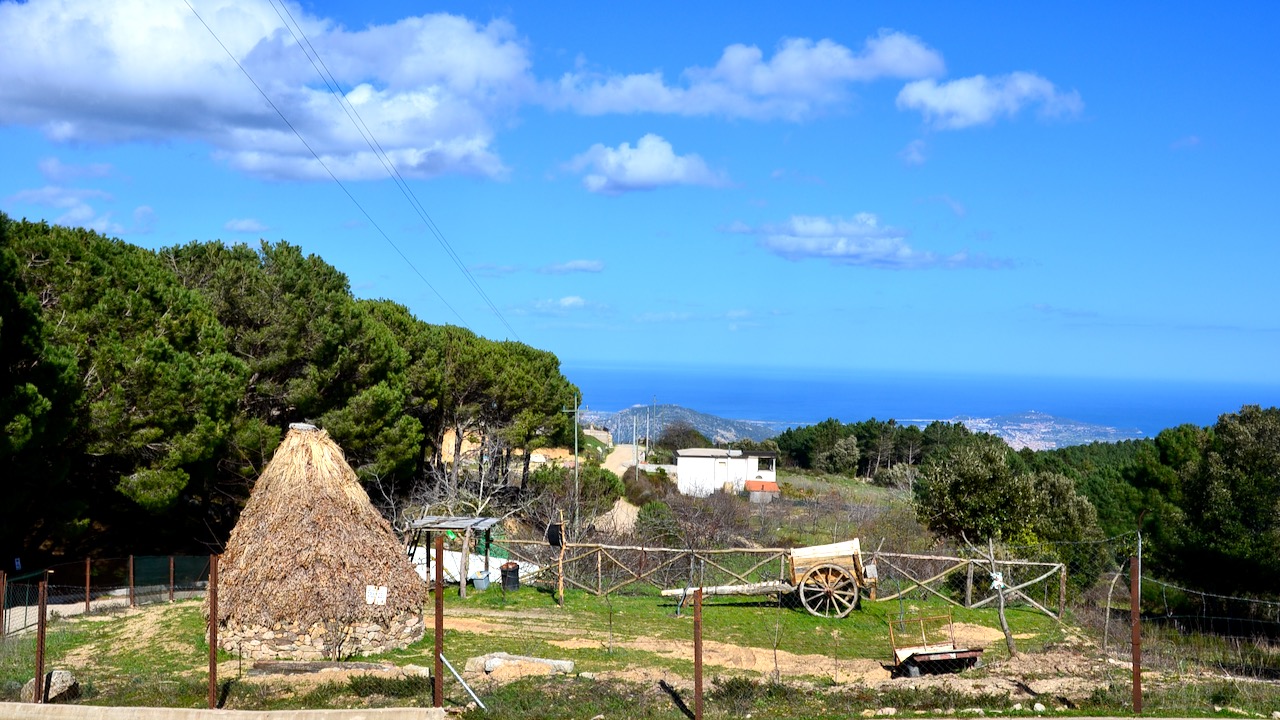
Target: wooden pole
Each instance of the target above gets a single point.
(1062, 592)
(437, 674)
(40, 630)
(170, 578)
(560, 562)
(4, 599)
(213, 629)
(697, 654)
(599, 573)
(131, 598)
(968, 587)
(1135, 617)
(464, 565)
(87, 561)
(488, 545)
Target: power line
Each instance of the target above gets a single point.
(335, 89)
(316, 155)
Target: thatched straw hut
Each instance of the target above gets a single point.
(312, 570)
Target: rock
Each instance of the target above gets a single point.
(62, 686)
(416, 670)
(601, 717)
(587, 675)
(974, 711)
(493, 661)
(1275, 715)
(1038, 707)
(1017, 707)
(868, 713)
(886, 712)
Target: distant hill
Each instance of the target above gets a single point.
(717, 429)
(1035, 430)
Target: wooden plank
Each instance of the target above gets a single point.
(846, 549)
(1028, 583)
(922, 585)
(769, 587)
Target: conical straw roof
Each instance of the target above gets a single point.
(309, 542)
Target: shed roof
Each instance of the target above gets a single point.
(445, 522)
(723, 453)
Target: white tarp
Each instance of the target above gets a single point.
(475, 566)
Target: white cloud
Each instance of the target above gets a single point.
(144, 220)
(245, 225)
(493, 270)
(55, 170)
(913, 153)
(429, 88)
(559, 307)
(980, 100)
(860, 241)
(573, 266)
(651, 164)
(74, 202)
(802, 78)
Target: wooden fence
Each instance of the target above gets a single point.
(606, 569)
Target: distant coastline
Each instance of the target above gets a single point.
(792, 397)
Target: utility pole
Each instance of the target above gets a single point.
(576, 461)
(635, 447)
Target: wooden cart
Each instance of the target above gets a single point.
(928, 645)
(827, 578)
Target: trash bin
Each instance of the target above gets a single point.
(510, 576)
(481, 581)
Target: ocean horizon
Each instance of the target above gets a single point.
(803, 397)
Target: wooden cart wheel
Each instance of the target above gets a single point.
(828, 591)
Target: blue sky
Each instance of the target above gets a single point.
(1077, 191)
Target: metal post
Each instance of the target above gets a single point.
(87, 576)
(213, 630)
(697, 654)
(4, 599)
(131, 598)
(170, 578)
(437, 674)
(40, 630)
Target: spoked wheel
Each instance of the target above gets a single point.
(828, 591)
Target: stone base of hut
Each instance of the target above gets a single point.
(290, 641)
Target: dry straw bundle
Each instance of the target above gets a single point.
(309, 543)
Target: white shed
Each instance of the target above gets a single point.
(702, 471)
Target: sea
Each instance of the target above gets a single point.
(802, 397)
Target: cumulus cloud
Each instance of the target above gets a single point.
(651, 164)
(429, 88)
(573, 266)
(801, 78)
(860, 241)
(980, 100)
(245, 225)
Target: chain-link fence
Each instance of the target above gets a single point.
(100, 584)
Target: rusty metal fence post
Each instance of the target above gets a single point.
(437, 680)
(697, 654)
(213, 627)
(4, 599)
(87, 581)
(131, 598)
(42, 605)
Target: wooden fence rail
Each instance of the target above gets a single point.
(605, 569)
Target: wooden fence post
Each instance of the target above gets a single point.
(697, 654)
(1135, 617)
(87, 576)
(170, 578)
(1062, 591)
(131, 598)
(4, 599)
(213, 627)
(40, 630)
(968, 587)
